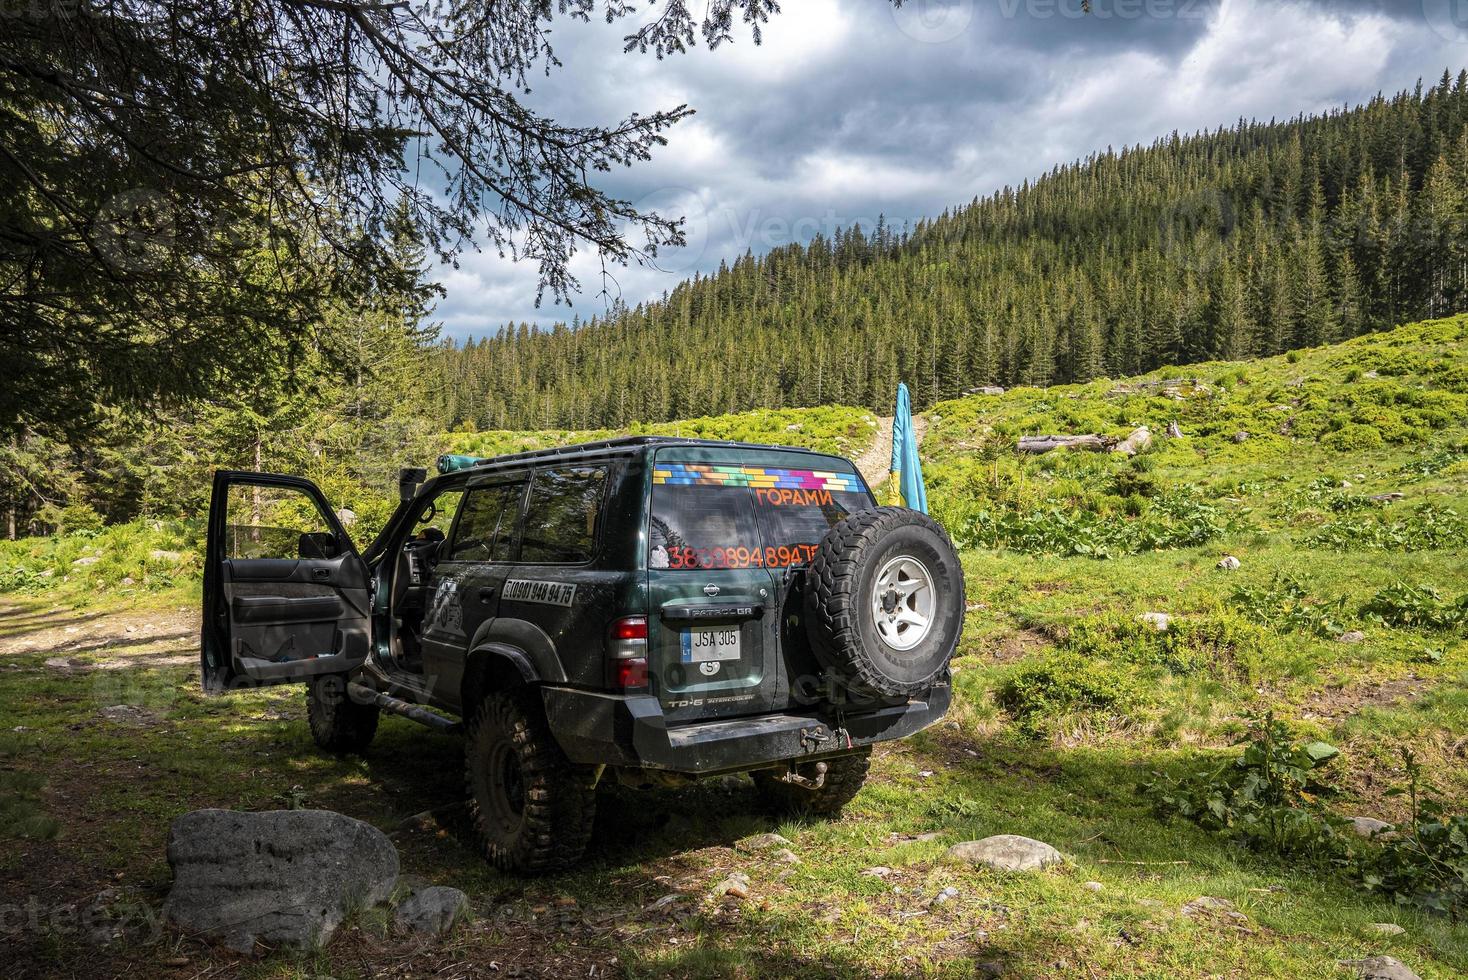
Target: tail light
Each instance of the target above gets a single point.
(627, 653)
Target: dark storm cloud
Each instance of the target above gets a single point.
(851, 110)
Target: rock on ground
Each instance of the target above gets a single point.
(1159, 621)
(734, 886)
(432, 910)
(1228, 563)
(283, 877)
(760, 842)
(1370, 826)
(1208, 905)
(1005, 852)
(1381, 968)
(1386, 929)
(1351, 636)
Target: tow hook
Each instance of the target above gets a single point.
(794, 778)
(811, 738)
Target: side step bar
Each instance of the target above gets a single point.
(363, 694)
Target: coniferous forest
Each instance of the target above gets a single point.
(1235, 243)
(1232, 244)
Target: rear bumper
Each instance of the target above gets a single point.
(594, 728)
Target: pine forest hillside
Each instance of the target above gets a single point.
(1230, 244)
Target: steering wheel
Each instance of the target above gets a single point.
(428, 514)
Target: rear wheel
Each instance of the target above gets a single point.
(532, 809)
(845, 775)
(338, 723)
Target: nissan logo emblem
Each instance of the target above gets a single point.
(711, 590)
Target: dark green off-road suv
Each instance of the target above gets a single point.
(642, 609)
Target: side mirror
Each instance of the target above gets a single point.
(317, 545)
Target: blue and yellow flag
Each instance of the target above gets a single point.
(907, 472)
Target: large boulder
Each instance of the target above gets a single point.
(283, 878)
(1005, 852)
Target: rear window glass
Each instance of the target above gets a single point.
(561, 519)
(728, 516)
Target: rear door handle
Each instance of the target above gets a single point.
(486, 594)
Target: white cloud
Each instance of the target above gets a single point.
(842, 115)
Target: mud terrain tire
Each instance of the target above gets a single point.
(338, 723)
(884, 603)
(532, 809)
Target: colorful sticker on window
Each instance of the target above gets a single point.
(759, 477)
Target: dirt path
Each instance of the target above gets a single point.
(85, 639)
(875, 464)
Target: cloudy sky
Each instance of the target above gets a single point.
(853, 109)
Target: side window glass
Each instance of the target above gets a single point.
(486, 526)
(437, 517)
(275, 522)
(561, 519)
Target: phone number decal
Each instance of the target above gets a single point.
(740, 557)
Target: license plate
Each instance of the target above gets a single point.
(702, 646)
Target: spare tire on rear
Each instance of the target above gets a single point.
(884, 602)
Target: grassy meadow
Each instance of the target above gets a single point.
(1338, 479)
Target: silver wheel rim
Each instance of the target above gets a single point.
(902, 602)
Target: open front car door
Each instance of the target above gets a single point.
(286, 596)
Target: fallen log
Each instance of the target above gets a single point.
(1044, 444)
(1139, 440)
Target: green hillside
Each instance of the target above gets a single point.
(1244, 241)
(1346, 621)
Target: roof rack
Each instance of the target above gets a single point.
(604, 445)
(621, 442)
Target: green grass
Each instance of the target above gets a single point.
(140, 563)
(1064, 703)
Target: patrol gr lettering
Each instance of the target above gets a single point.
(546, 593)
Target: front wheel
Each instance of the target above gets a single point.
(845, 775)
(338, 723)
(532, 809)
